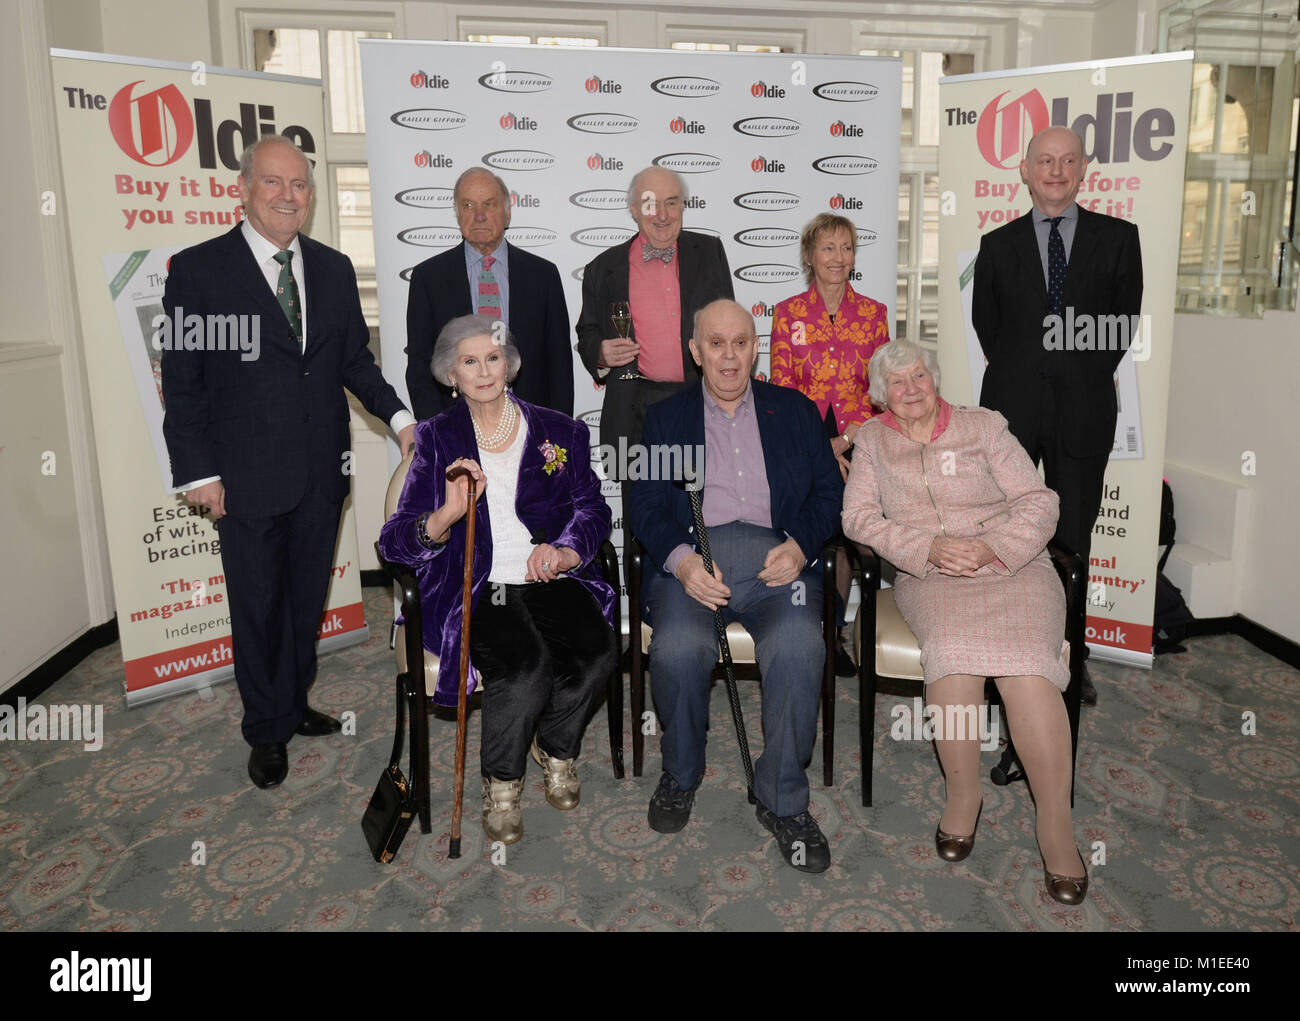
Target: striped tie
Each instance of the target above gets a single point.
(489, 294)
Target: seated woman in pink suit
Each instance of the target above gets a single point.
(821, 343)
(951, 499)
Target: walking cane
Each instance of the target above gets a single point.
(458, 795)
(720, 626)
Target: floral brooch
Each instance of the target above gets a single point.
(554, 457)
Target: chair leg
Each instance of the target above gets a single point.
(614, 711)
(867, 714)
(419, 711)
(828, 689)
(637, 685)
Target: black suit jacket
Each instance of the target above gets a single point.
(539, 321)
(703, 276)
(269, 425)
(1103, 278)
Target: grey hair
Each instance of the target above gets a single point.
(246, 157)
(890, 358)
(634, 189)
(505, 192)
(462, 328)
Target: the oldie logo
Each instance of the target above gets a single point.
(426, 198)
(524, 201)
(600, 198)
(686, 87)
(154, 128)
(842, 201)
(530, 237)
(516, 122)
(1003, 130)
(760, 309)
(515, 81)
(763, 165)
(767, 201)
(603, 123)
(427, 119)
(845, 165)
(424, 80)
(430, 237)
(428, 161)
(605, 85)
(761, 90)
(767, 273)
(598, 162)
(841, 130)
(519, 159)
(846, 92)
(688, 162)
(683, 126)
(768, 127)
(767, 237)
(602, 237)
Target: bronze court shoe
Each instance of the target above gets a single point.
(953, 848)
(562, 787)
(1066, 889)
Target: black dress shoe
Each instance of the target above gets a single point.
(670, 806)
(1087, 693)
(802, 843)
(844, 665)
(315, 724)
(268, 765)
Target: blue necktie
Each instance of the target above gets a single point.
(1055, 269)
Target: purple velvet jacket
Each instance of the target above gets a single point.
(564, 508)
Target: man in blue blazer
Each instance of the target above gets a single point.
(453, 284)
(771, 499)
(258, 434)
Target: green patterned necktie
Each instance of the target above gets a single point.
(286, 293)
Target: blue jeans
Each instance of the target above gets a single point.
(785, 623)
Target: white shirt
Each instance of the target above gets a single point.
(512, 544)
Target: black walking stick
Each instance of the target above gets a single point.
(458, 795)
(720, 626)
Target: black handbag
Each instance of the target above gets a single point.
(392, 806)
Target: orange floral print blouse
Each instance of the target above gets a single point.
(825, 361)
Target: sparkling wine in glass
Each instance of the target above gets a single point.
(621, 314)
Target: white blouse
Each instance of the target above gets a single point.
(512, 544)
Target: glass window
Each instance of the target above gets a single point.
(347, 113)
(294, 51)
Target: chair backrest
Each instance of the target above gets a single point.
(396, 483)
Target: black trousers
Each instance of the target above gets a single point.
(544, 652)
(277, 574)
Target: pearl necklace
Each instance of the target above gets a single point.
(503, 429)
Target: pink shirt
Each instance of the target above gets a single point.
(655, 295)
(945, 416)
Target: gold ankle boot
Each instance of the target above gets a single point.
(562, 787)
(503, 816)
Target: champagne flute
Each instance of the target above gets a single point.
(621, 314)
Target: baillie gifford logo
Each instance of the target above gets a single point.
(515, 81)
(156, 128)
(424, 80)
(605, 85)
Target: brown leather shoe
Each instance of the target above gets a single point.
(953, 848)
(562, 787)
(1069, 890)
(503, 816)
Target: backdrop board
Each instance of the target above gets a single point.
(764, 143)
(150, 155)
(1132, 116)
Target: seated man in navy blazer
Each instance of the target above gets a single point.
(486, 275)
(260, 438)
(771, 499)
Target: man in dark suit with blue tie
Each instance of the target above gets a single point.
(487, 275)
(259, 436)
(771, 499)
(1058, 260)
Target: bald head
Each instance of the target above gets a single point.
(1053, 169)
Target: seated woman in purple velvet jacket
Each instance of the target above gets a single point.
(537, 637)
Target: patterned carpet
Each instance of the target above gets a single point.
(1198, 821)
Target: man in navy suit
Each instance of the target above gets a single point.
(771, 499)
(1059, 260)
(259, 436)
(484, 267)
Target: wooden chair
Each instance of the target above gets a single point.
(895, 655)
(742, 655)
(416, 685)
